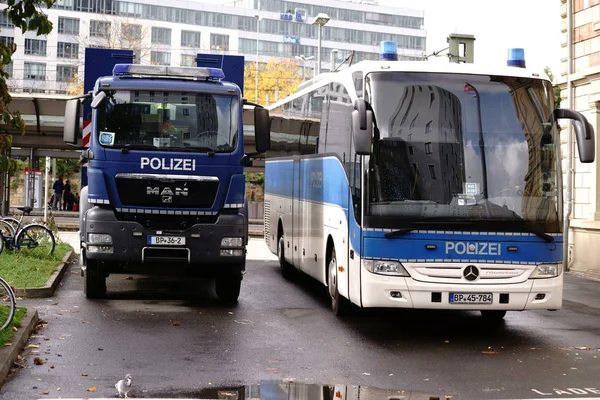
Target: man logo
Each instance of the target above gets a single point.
(471, 273)
(167, 199)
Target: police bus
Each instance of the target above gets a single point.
(422, 185)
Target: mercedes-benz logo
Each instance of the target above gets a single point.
(471, 273)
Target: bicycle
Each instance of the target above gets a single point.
(32, 236)
(8, 302)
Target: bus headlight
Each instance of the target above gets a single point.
(384, 267)
(546, 271)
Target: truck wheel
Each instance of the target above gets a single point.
(287, 270)
(94, 285)
(339, 304)
(228, 287)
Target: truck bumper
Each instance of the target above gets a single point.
(130, 243)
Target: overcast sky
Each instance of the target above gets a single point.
(497, 25)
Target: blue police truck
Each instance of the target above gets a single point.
(164, 167)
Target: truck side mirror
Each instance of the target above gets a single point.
(98, 99)
(72, 130)
(584, 132)
(362, 127)
(262, 129)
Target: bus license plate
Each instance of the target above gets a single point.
(470, 298)
(167, 240)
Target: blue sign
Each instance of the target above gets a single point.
(291, 39)
(286, 16)
(299, 15)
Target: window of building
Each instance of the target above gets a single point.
(428, 127)
(131, 31)
(219, 42)
(190, 39)
(69, 26)
(99, 29)
(428, 148)
(160, 57)
(67, 50)
(5, 22)
(188, 60)
(411, 150)
(66, 73)
(432, 171)
(6, 40)
(35, 47)
(34, 71)
(161, 35)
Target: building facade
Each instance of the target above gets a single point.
(173, 34)
(584, 252)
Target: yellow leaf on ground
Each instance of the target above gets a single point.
(92, 389)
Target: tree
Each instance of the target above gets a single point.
(279, 78)
(26, 15)
(557, 89)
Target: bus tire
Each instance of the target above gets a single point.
(493, 315)
(287, 270)
(94, 285)
(339, 304)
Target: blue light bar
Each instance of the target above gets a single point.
(215, 74)
(516, 58)
(388, 51)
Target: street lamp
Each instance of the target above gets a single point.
(304, 60)
(258, 18)
(321, 19)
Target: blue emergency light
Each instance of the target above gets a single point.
(516, 58)
(388, 51)
(215, 74)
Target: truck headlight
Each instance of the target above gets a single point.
(231, 242)
(99, 238)
(546, 271)
(384, 267)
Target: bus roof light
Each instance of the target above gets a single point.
(215, 74)
(388, 51)
(516, 58)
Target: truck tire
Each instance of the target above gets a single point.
(94, 285)
(228, 287)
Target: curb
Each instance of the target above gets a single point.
(48, 289)
(8, 355)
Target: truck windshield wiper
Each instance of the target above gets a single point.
(518, 223)
(126, 147)
(196, 148)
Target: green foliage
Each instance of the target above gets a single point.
(28, 16)
(557, 90)
(64, 167)
(257, 178)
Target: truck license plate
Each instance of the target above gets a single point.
(470, 298)
(167, 240)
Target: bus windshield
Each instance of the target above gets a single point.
(168, 121)
(466, 148)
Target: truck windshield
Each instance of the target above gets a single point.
(169, 121)
(464, 148)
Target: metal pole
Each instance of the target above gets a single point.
(569, 180)
(257, 34)
(319, 52)
(45, 205)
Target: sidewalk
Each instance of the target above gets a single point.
(582, 291)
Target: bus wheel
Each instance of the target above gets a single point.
(286, 268)
(493, 315)
(340, 305)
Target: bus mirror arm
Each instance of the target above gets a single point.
(362, 127)
(584, 131)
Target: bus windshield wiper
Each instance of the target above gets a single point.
(420, 225)
(535, 230)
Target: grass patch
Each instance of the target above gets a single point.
(7, 334)
(27, 269)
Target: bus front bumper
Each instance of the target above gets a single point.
(399, 292)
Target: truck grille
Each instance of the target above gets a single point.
(170, 191)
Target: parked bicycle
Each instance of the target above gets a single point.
(32, 236)
(8, 302)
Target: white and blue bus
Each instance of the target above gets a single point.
(422, 185)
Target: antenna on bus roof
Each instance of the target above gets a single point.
(343, 62)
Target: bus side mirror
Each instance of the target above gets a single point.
(71, 130)
(262, 129)
(362, 127)
(584, 132)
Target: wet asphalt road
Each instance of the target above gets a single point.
(174, 338)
